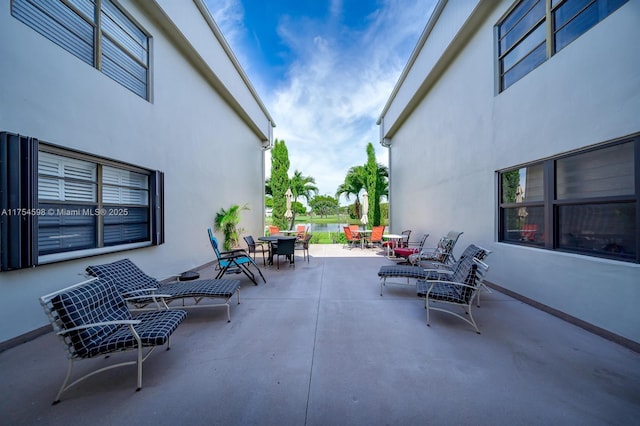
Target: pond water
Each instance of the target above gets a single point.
(327, 227)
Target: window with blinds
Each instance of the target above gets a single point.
(60, 204)
(77, 218)
(584, 202)
(73, 25)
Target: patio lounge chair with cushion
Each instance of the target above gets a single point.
(410, 248)
(431, 270)
(233, 261)
(472, 251)
(443, 253)
(457, 289)
(147, 293)
(351, 239)
(91, 318)
(404, 242)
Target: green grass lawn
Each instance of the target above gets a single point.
(323, 237)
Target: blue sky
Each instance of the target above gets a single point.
(324, 70)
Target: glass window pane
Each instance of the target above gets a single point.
(602, 173)
(600, 229)
(66, 227)
(87, 8)
(524, 225)
(66, 179)
(524, 67)
(515, 15)
(523, 48)
(57, 22)
(123, 226)
(568, 10)
(522, 185)
(578, 26)
(124, 187)
(520, 28)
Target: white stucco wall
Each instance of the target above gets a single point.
(447, 151)
(209, 154)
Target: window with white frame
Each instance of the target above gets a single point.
(534, 30)
(59, 204)
(98, 32)
(584, 202)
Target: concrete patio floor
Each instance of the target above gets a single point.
(318, 346)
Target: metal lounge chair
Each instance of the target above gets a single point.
(458, 289)
(471, 252)
(443, 253)
(144, 292)
(404, 242)
(428, 271)
(91, 318)
(410, 248)
(234, 261)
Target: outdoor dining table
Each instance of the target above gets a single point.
(363, 233)
(393, 239)
(274, 239)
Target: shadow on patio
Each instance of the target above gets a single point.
(318, 345)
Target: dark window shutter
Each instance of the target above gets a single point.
(18, 201)
(157, 207)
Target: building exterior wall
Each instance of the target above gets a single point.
(204, 131)
(446, 150)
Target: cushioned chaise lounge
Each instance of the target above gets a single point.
(92, 319)
(426, 271)
(145, 292)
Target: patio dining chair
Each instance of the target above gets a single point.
(285, 247)
(303, 244)
(376, 236)
(255, 248)
(351, 238)
(274, 230)
(234, 261)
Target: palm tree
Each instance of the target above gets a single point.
(354, 182)
(301, 186)
(227, 221)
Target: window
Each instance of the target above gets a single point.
(96, 31)
(584, 202)
(62, 204)
(535, 29)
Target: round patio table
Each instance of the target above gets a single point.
(394, 239)
(274, 239)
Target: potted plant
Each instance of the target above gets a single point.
(227, 221)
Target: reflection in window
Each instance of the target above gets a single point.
(583, 202)
(525, 36)
(600, 229)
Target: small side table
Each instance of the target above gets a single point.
(188, 276)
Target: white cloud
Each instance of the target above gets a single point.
(328, 103)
